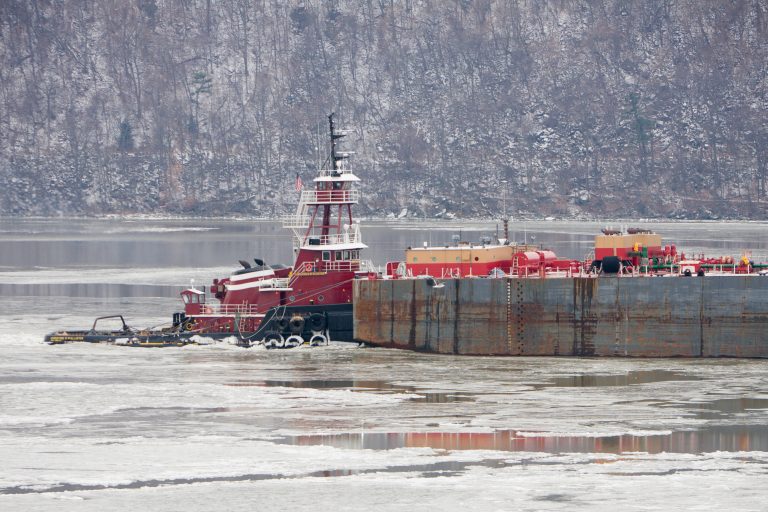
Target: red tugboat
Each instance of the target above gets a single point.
(279, 306)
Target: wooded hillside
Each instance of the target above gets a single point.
(604, 107)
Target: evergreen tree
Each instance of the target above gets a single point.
(125, 138)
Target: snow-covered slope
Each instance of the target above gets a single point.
(651, 108)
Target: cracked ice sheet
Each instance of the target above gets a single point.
(159, 422)
(505, 393)
(525, 482)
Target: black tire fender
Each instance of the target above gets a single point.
(297, 324)
(293, 341)
(282, 324)
(273, 339)
(317, 322)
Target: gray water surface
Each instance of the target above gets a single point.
(92, 427)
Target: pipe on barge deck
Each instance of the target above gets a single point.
(713, 316)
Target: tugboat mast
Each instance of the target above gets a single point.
(335, 159)
(323, 223)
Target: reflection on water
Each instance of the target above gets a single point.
(98, 290)
(360, 386)
(729, 406)
(56, 243)
(722, 408)
(380, 385)
(625, 379)
(148, 243)
(719, 438)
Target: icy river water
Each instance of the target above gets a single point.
(90, 427)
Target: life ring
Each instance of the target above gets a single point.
(317, 340)
(273, 339)
(293, 341)
(188, 325)
(297, 324)
(317, 322)
(282, 324)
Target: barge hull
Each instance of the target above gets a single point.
(713, 316)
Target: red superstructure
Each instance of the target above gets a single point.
(465, 259)
(640, 251)
(634, 251)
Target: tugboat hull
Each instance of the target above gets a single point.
(319, 323)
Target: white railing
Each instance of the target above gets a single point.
(348, 237)
(296, 221)
(330, 196)
(278, 282)
(334, 172)
(343, 266)
(229, 309)
(368, 266)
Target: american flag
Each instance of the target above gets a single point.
(298, 183)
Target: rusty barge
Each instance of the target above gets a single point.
(633, 298)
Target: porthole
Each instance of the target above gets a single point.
(320, 298)
(291, 298)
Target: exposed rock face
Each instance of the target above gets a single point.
(614, 107)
